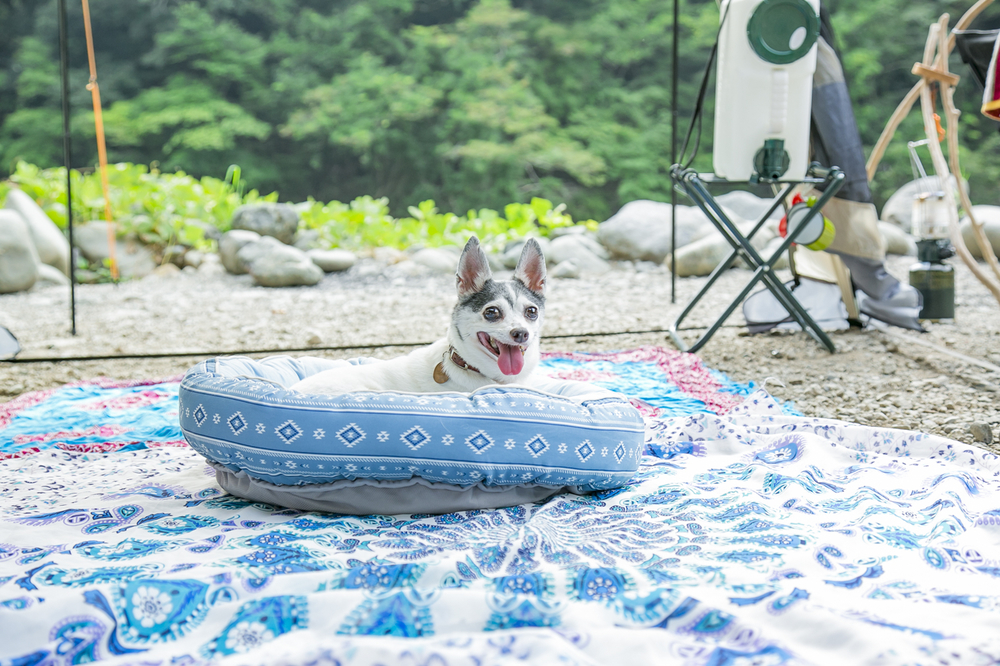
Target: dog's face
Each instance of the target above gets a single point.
(496, 325)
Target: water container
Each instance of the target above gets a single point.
(767, 57)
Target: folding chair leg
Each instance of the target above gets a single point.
(763, 270)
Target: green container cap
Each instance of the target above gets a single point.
(782, 31)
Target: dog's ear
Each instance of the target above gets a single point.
(530, 270)
(473, 269)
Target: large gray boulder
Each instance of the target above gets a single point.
(18, 256)
(747, 205)
(51, 244)
(279, 221)
(898, 209)
(230, 245)
(586, 254)
(640, 231)
(134, 259)
(274, 264)
(896, 240)
(703, 255)
(989, 217)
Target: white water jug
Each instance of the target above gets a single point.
(767, 57)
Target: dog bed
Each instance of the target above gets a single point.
(394, 452)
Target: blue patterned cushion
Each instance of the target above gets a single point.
(236, 412)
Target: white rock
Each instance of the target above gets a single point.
(439, 260)
(702, 256)
(898, 209)
(747, 205)
(641, 230)
(565, 269)
(388, 255)
(896, 240)
(274, 264)
(193, 258)
(134, 259)
(582, 250)
(51, 244)
(989, 217)
(279, 221)
(50, 276)
(18, 256)
(332, 261)
(229, 248)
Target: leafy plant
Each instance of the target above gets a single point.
(158, 208)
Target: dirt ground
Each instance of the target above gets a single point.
(941, 382)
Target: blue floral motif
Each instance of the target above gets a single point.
(158, 610)
(405, 614)
(258, 622)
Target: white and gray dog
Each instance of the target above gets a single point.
(493, 337)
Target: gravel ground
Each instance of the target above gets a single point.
(945, 382)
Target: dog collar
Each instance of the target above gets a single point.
(441, 376)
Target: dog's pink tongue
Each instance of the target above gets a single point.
(511, 359)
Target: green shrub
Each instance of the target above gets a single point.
(166, 208)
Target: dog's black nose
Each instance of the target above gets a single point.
(520, 335)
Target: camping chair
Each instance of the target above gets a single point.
(828, 180)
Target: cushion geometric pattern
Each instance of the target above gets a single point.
(236, 412)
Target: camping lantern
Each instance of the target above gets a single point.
(933, 278)
(763, 94)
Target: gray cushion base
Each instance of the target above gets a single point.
(369, 496)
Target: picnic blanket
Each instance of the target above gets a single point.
(749, 535)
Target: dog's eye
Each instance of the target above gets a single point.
(531, 312)
(492, 313)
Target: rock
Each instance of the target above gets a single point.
(307, 239)
(274, 264)
(989, 217)
(771, 247)
(332, 261)
(641, 230)
(565, 269)
(586, 253)
(193, 258)
(50, 276)
(388, 255)
(51, 244)
(898, 209)
(165, 271)
(279, 221)
(702, 256)
(211, 265)
(134, 259)
(896, 240)
(496, 262)
(747, 205)
(439, 260)
(229, 248)
(512, 251)
(18, 257)
(981, 432)
(175, 255)
(407, 268)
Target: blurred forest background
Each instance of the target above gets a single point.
(472, 103)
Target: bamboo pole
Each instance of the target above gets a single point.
(102, 153)
(936, 37)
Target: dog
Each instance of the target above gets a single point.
(493, 338)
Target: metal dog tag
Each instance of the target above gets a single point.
(440, 376)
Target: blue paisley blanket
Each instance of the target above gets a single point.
(750, 535)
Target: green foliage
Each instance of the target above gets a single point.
(158, 208)
(166, 208)
(366, 222)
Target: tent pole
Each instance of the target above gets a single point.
(673, 160)
(67, 159)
